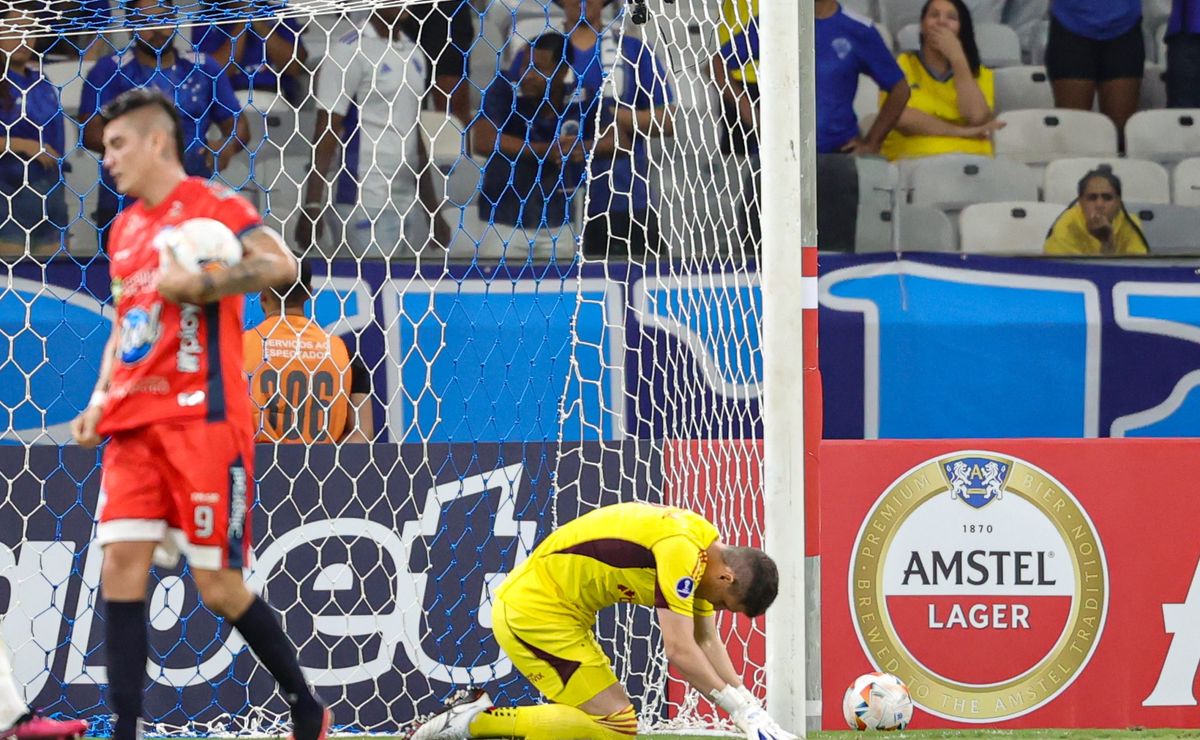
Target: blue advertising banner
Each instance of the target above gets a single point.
(380, 558)
(928, 346)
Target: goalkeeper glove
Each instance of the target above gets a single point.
(749, 717)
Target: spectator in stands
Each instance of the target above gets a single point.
(619, 74)
(530, 131)
(844, 50)
(305, 385)
(265, 53)
(1097, 47)
(445, 31)
(1183, 55)
(201, 91)
(369, 90)
(1097, 224)
(69, 21)
(33, 206)
(953, 103)
(847, 45)
(736, 80)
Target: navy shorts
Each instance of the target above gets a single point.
(1070, 56)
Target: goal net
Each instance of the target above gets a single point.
(533, 221)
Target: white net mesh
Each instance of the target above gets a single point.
(542, 249)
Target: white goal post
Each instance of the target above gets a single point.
(786, 79)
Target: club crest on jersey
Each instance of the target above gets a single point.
(976, 481)
(139, 332)
(684, 587)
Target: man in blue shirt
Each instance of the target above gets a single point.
(1183, 55)
(201, 91)
(33, 207)
(529, 130)
(847, 45)
(622, 75)
(265, 53)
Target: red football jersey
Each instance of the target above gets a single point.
(174, 362)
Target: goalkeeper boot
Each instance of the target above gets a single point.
(453, 723)
(34, 726)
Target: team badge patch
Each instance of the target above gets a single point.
(976, 481)
(684, 587)
(139, 332)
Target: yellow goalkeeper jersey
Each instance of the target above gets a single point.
(626, 553)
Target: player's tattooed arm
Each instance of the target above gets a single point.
(266, 263)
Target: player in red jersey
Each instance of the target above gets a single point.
(172, 399)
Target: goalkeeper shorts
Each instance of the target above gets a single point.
(560, 657)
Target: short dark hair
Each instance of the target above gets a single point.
(553, 42)
(966, 33)
(145, 97)
(1104, 172)
(301, 290)
(756, 578)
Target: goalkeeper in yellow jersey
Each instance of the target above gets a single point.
(544, 614)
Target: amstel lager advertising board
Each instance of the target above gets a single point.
(1014, 584)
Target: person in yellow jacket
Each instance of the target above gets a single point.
(1097, 224)
(952, 106)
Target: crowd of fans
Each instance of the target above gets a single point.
(574, 106)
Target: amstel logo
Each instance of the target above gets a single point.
(979, 580)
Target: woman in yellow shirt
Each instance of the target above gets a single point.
(1097, 224)
(952, 107)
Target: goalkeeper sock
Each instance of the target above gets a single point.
(12, 706)
(261, 630)
(553, 722)
(126, 642)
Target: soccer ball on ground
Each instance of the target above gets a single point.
(198, 242)
(877, 701)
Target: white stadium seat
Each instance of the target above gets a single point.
(1023, 88)
(999, 45)
(908, 38)
(69, 78)
(1169, 229)
(952, 182)
(1007, 228)
(1163, 135)
(1039, 136)
(877, 182)
(896, 14)
(867, 8)
(1141, 180)
(1187, 182)
(920, 230)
